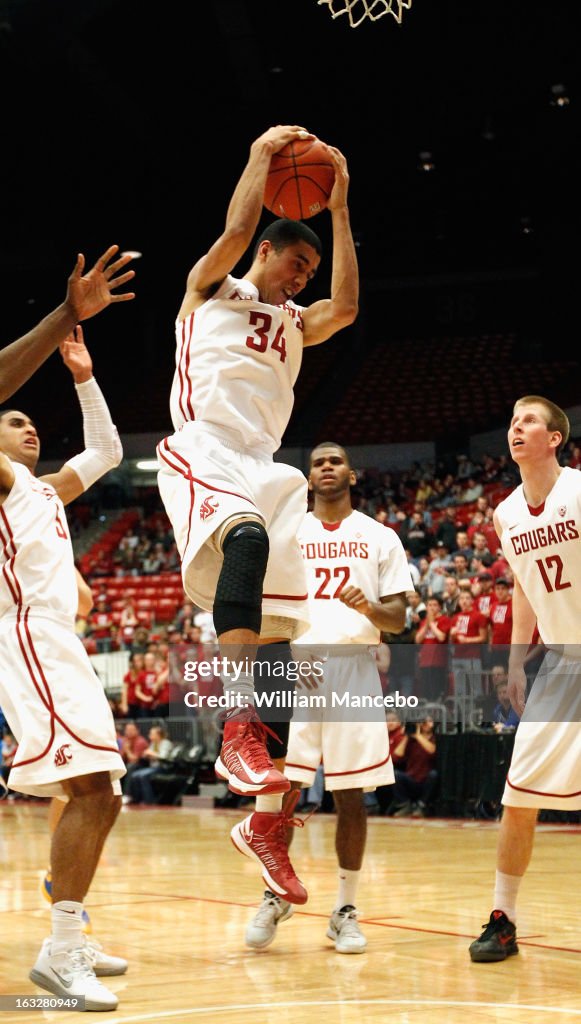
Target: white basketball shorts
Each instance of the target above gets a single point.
(203, 481)
(545, 769)
(354, 751)
(55, 706)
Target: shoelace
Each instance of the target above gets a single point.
(92, 949)
(349, 924)
(79, 962)
(255, 734)
(266, 907)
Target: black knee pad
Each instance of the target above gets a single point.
(238, 601)
(269, 677)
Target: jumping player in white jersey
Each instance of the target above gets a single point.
(357, 576)
(235, 512)
(539, 526)
(49, 692)
(86, 296)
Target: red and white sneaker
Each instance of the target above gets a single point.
(262, 836)
(243, 761)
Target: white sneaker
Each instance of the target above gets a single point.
(345, 931)
(261, 931)
(104, 966)
(71, 974)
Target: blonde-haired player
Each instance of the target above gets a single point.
(539, 526)
(357, 576)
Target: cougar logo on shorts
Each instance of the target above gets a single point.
(208, 508)
(63, 755)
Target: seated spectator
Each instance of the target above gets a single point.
(504, 717)
(425, 490)
(447, 529)
(463, 546)
(133, 747)
(155, 561)
(140, 789)
(415, 535)
(471, 492)
(415, 773)
(432, 635)
(465, 468)
(479, 513)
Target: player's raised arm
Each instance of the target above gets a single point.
(87, 294)
(103, 449)
(325, 318)
(241, 219)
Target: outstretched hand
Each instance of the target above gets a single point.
(76, 356)
(88, 294)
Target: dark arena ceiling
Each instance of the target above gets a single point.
(130, 122)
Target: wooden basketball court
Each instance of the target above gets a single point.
(173, 896)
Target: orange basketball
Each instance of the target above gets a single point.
(299, 180)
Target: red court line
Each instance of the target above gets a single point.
(378, 923)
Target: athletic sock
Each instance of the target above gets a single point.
(269, 804)
(243, 686)
(505, 893)
(348, 882)
(67, 925)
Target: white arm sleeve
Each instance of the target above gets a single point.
(103, 449)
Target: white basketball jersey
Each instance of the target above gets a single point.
(543, 549)
(356, 552)
(36, 557)
(237, 360)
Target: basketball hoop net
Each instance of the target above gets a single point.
(359, 10)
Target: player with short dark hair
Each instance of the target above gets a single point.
(234, 511)
(357, 578)
(50, 694)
